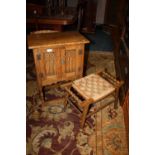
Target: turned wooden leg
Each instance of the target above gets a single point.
(83, 117)
(116, 99)
(41, 95)
(66, 101)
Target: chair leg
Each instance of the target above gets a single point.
(116, 99)
(83, 117)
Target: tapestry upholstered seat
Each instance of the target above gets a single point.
(90, 89)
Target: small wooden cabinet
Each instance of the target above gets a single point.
(58, 56)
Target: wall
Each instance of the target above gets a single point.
(100, 11)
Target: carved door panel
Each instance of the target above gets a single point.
(48, 63)
(68, 62)
(72, 64)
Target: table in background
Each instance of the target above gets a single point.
(39, 17)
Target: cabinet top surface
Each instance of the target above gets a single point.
(55, 39)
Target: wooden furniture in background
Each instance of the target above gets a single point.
(58, 56)
(90, 89)
(121, 55)
(117, 23)
(126, 115)
(39, 18)
(89, 15)
(115, 12)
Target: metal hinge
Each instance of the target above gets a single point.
(38, 56)
(80, 52)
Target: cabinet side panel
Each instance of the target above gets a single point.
(80, 61)
(38, 67)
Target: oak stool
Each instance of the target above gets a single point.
(86, 91)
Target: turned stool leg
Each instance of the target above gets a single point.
(116, 99)
(43, 93)
(66, 101)
(83, 117)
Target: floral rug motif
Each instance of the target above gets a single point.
(53, 130)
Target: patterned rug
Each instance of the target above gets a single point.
(51, 130)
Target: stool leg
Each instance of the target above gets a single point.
(83, 117)
(43, 93)
(65, 102)
(116, 99)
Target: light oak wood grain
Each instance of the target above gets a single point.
(58, 56)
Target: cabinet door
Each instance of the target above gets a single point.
(47, 65)
(72, 62)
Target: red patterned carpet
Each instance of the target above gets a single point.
(53, 130)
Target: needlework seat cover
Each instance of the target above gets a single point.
(93, 86)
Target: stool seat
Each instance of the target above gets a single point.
(93, 86)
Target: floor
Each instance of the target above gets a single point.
(99, 41)
(52, 130)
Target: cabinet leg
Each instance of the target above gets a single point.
(41, 95)
(43, 92)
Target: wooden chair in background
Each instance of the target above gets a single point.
(126, 115)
